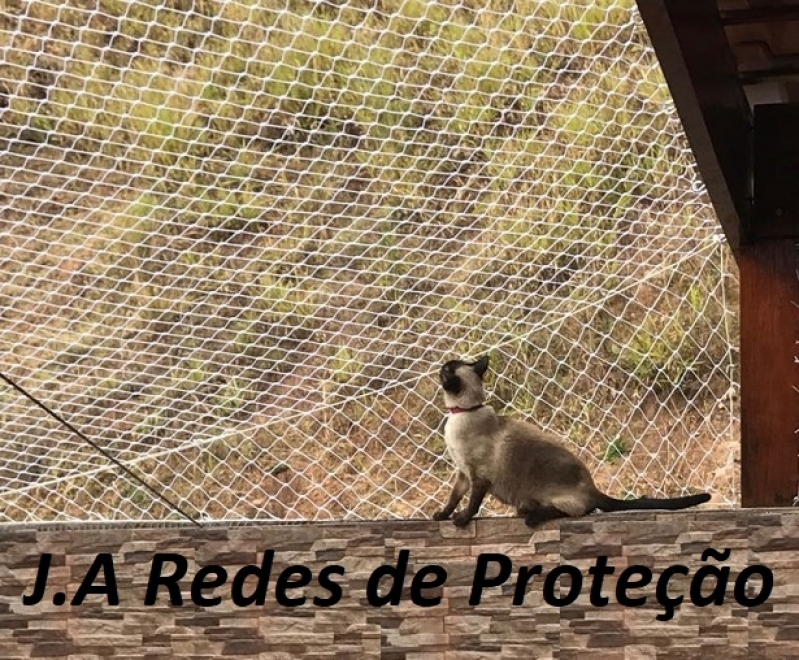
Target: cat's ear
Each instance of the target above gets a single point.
(481, 366)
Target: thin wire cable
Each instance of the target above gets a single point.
(99, 449)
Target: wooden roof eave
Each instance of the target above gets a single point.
(701, 72)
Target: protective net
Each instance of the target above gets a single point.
(239, 238)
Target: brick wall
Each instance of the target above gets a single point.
(352, 628)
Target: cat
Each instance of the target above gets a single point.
(516, 462)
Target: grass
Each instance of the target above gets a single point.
(616, 450)
(244, 235)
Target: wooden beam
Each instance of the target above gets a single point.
(769, 279)
(776, 175)
(770, 14)
(701, 72)
(769, 374)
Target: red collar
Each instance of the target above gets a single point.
(456, 410)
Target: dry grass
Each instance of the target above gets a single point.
(237, 260)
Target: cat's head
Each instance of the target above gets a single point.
(463, 382)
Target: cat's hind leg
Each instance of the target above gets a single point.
(540, 514)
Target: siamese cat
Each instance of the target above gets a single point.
(516, 462)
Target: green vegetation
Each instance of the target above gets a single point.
(293, 189)
(616, 450)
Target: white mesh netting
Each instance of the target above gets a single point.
(239, 238)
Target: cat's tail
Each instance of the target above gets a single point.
(608, 503)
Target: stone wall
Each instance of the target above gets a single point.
(453, 628)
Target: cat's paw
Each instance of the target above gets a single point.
(461, 519)
(440, 515)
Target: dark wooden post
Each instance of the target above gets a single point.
(769, 314)
(769, 402)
